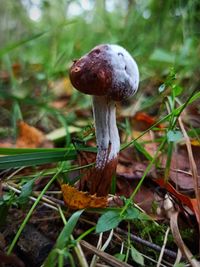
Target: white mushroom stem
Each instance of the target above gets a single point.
(107, 136)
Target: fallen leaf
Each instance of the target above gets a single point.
(185, 200)
(191, 114)
(143, 121)
(60, 133)
(180, 172)
(142, 116)
(30, 137)
(75, 199)
(144, 197)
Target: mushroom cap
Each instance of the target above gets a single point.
(107, 70)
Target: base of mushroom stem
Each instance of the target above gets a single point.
(100, 180)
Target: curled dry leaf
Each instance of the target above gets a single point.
(75, 199)
(191, 203)
(145, 121)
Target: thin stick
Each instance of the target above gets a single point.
(163, 248)
(112, 261)
(193, 168)
(139, 240)
(95, 257)
(179, 241)
(100, 247)
(15, 172)
(51, 206)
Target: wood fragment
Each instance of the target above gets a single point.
(112, 261)
(163, 248)
(179, 241)
(193, 166)
(138, 239)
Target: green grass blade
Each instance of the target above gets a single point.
(142, 150)
(32, 159)
(63, 238)
(67, 230)
(12, 46)
(169, 159)
(17, 151)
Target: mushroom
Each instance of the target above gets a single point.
(109, 73)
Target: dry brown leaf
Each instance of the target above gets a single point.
(75, 199)
(180, 172)
(191, 203)
(147, 141)
(30, 137)
(145, 120)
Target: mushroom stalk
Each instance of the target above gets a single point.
(107, 136)
(108, 145)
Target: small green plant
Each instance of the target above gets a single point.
(64, 244)
(111, 218)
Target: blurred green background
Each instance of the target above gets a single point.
(50, 32)
(40, 38)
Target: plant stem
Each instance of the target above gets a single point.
(143, 177)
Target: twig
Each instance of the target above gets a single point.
(167, 264)
(193, 167)
(179, 241)
(95, 257)
(163, 248)
(50, 192)
(137, 239)
(102, 248)
(112, 261)
(107, 241)
(178, 258)
(51, 206)
(15, 172)
(48, 199)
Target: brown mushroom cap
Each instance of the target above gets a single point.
(106, 70)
